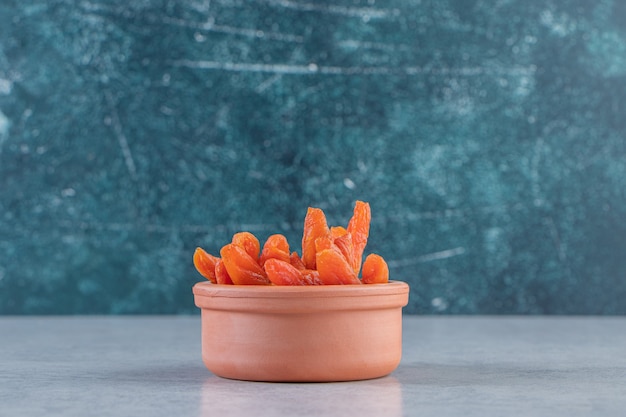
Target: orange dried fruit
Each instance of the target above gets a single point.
(273, 253)
(278, 241)
(249, 242)
(346, 247)
(221, 274)
(315, 226)
(359, 229)
(277, 247)
(334, 268)
(242, 268)
(375, 270)
(330, 255)
(205, 264)
(295, 260)
(337, 231)
(324, 242)
(283, 273)
(311, 277)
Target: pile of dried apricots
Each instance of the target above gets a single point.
(330, 255)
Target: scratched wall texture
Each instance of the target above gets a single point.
(488, 136)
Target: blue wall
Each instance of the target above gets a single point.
(488, 137)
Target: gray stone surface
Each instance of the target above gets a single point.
(451, 366)
(489, 138)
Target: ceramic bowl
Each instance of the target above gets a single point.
(306, 334)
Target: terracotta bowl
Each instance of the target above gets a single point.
(306, 334)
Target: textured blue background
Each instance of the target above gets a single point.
(488, 136)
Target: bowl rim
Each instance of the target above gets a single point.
(208, 289)
(307, 300)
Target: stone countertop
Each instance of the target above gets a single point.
(451, 365)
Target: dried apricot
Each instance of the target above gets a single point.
(337, 231)
(311, 277)
(278, 241)
(359, 228)
(346, 247)
(221, 274)
(205, 264)
(375, 270)
(330, 255)
(283, 273)
(334, 268)
(273, 253)
(277, 247)
(324, 242)
(315, 226)
(242, 268)
(295, 260)
(249, 242)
